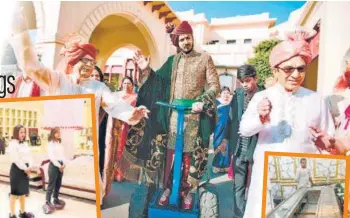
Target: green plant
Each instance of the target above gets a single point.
(339, 191)
(261, 59)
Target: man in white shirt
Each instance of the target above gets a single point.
(303, 176)
(283, 114)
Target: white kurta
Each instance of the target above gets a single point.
(303, 178)
(288, 131)
(115, 107)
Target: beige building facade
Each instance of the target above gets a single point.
(230, 41)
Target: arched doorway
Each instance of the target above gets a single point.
(121, 64)
(113, 25)
(118, 31)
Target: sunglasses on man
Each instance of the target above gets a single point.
(88, 60)
(290, 70)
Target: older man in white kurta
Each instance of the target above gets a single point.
(80, 60)
(282, 114)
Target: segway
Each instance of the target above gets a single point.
(60, 206)
(144, 201)
(48, 209)
(29, 215)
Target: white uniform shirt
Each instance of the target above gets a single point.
(303, 178)
(56, 153)
(20, 154)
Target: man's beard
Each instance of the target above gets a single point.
(186, 51)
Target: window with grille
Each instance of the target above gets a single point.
(231, 42)
(247, 41)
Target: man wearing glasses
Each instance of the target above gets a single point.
(78, 65)
(282, 114)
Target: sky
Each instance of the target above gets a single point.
(218, 9)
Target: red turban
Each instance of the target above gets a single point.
(295, 45)
(75, 51)
(183, 28)
(343, 82)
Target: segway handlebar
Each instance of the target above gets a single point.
(176, 107)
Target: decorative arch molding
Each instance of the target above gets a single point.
(130, 9)
(136, 12)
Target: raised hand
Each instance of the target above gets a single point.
(19, 21)
(169, 27)
(141, 61)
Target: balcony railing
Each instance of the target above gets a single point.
(230, 59)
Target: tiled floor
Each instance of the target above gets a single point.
(75, 208)
(120, 211)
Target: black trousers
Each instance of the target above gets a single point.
(55, 182)
(240, 167)
(2, 146)
(102, 143)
